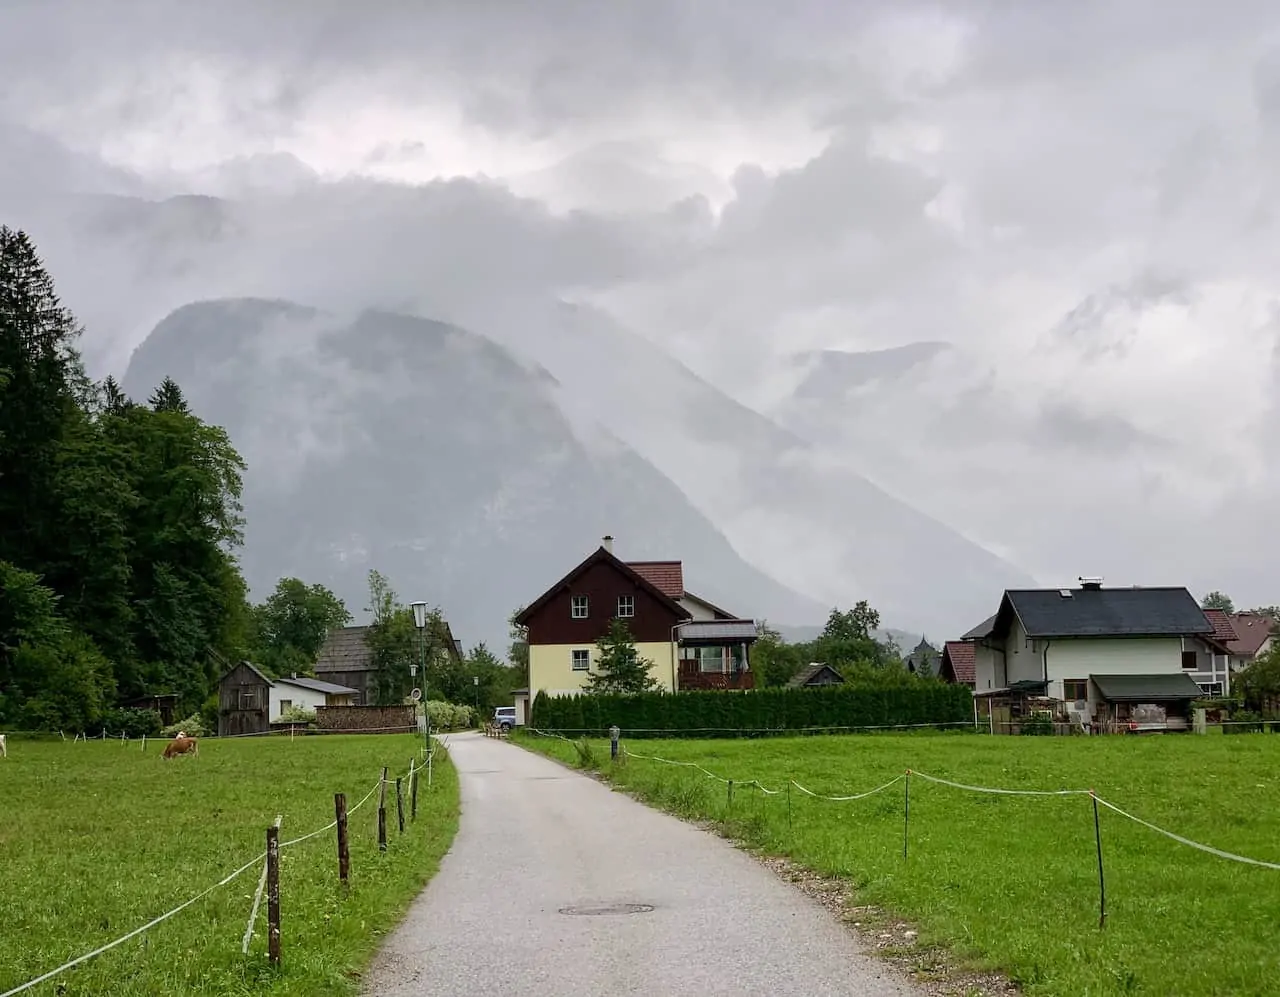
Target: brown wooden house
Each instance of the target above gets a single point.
(244, 701)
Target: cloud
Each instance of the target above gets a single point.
(1080, 197)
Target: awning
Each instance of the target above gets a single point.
(717, 630)
(1146, 688)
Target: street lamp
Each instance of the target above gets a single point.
(420, 621)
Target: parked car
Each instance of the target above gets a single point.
(504, 717)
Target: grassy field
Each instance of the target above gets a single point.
(1011, 883)
(97, 839)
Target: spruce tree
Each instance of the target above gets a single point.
(619, 668)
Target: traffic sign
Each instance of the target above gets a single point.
(416, 695)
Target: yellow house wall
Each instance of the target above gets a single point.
(551, 667)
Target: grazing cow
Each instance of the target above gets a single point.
(4, 747)
(181, 745)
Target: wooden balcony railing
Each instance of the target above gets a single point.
(691, 677)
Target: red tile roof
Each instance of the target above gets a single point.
(1251, 630)
(1222, 629)
(960, 654)
(666, 576)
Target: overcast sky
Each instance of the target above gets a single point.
(1080, 196)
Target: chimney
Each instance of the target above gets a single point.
(1091, 583)
(607, 544)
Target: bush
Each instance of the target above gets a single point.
(1038, 724)
(298, 715)
(1244, 722)
(130, 722)
(449, 716)
(192, 725)
(728, 714)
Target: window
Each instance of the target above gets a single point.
(710, 659)
(1075, 690)
(249, 699)
(286, 705)
(626, 606)
(1190, 660)
(1211, 689)
(579, 607)
(581, 660)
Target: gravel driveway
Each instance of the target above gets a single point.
(537, 840)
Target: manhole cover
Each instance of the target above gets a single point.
(594, 909)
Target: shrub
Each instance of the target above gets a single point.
(586, 754)
(1038, 724)
(449, 716)
(298, 715)
(192, 725)
(130, 722)
(728, 714)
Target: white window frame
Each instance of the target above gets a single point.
(580, 654)
(579, 607)
(627, 602)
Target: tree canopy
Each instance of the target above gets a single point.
(1218, 600)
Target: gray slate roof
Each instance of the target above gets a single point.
(1146, 688)
(1131, 612)
(983, 629)
(718, 630)
(316, 685)
(345, 650)
(810, 672)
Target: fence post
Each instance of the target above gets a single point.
(729, 796)
(906, 811)
(344, 856)
(382, 812)
(399, 806)
(614, 733)
(789, 825)
(273, 895)
(144, 742)
(1102, 883)
(413, 790)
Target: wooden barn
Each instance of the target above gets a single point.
(244, 701)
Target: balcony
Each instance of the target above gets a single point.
(692, 677)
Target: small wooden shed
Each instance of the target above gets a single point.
(244, 698)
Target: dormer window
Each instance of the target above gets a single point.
(579, 607)
(626, 606)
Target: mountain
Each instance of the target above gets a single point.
(430, 453)
(790, 506)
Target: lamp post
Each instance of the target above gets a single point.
(420, 621)
(475, 682)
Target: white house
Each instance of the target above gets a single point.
(1100, 650)
(305, 693)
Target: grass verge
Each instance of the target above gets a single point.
(1011, 883)
(100, 838)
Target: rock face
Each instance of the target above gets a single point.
(430, 453)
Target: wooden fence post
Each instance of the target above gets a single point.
(273, 895)
(413, 790)
(399, 806)
(382, 812)
(344, 856)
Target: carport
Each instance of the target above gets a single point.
(1146, 702)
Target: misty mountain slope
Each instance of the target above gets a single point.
(429, 453)
(789, 507)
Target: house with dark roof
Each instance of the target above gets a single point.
(1102, 652)
(346, 660)
(691, 642)
(300, 692)
(815, 675)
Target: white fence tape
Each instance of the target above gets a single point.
(954, 785)
(261, 857)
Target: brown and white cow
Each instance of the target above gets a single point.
(182, 745)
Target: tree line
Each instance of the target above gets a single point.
(120, 521)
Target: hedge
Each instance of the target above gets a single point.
(761, 711)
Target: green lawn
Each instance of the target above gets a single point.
(1011, 883)
(97, 839)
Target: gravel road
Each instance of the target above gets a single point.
(536, 838)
